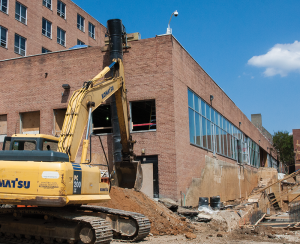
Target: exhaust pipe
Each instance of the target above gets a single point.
(127, 173)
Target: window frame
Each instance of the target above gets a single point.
(92, 34)
(20, 37)
(1, 6)
(80, 25)
(59, 38)
(20, 15)
(1, 27)
(59, 10)
(45, 30)
(220, 138)
(46, 3)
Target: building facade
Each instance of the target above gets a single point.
(192, 139)
(296, 142)
(29, 27)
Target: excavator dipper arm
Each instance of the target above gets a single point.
(82, 103)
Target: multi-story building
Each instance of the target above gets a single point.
(192, 139)
(29, 27)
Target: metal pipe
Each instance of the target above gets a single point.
(115, 30)
(89, 122)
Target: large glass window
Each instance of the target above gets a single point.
(61, 37)
(91, 30)
(61, 9)
(46, 28)
(47, 3)
(3, 5)
(20, 45)
(209, 129)
(254, 153)
(80, 22)
(3, 40)
(21, 13)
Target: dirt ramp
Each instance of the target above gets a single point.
(163, 221)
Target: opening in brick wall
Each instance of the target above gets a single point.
(30, 122)
(3, 127)
(59, 116)
(143, 115)
(102, 120)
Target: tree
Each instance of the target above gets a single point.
(283, 142)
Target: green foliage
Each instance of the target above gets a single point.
(283, 142)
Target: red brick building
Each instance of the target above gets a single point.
(29, 27)
(296, 142)
(191, 137)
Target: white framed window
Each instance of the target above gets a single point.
(45, 50)
(20, 45)
(46, 28)
(47, 3)
(80, 42)
(61, 9)
(3, 40)
(4, 6)
(80, 22)
(91, 30)
(61, 37)
(21, 13)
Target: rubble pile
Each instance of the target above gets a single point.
(163, 221)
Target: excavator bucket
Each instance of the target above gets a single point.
(128, 175)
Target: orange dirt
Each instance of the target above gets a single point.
(163, 221)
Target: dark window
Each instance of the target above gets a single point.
(91, 30)
(21, 13)
(20, 45)
(47, 3)
(102, 120)
(143, 115)
(61, 9)
(46, 28)
(3, 33)
(50, 145)
(45, 50)
(24, 145)
(3, 5)
(80, 22)
(79, 42)
(61, 36)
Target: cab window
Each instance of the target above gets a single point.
(24, 145)
(49, 145)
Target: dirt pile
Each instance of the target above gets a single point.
(163, 221)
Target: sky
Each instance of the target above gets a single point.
(250, 48)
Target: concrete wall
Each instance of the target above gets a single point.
(32, 31)
(229, 181)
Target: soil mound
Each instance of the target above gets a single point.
(163, 221)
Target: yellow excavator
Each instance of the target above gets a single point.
(43, 190)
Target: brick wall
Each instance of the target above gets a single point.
(32, 31)
(190, 159)
(296, 137)
(155, 68)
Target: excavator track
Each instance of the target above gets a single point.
(141, 223)
(56, 225)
